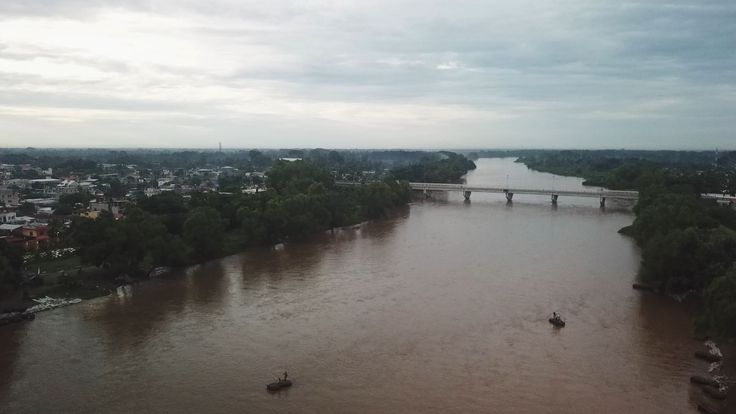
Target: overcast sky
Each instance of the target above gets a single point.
(368, 74)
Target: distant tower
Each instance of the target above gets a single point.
(220, 146)
(715, 161)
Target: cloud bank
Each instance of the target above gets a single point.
(357, 74)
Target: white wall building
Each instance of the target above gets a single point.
(7, 217)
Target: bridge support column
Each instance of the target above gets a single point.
(509, 196)
(466, 194)
(603, 202)
(554, 198)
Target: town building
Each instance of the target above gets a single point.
(114, 206)
(9, 197)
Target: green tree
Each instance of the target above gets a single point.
(127, 246)
(116, 190)
(258, 160)
(79, 199)
(297, 177)
(167, 202)
(203, 232)
(63, 210)
(720, 305)
(443, 167)
(681, 260)
(252, 225)
(11, 264)
(169, 207)
(168, 250)
(230, 184)
(27, 209)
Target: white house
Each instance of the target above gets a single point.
(67, 187)
(7, 217)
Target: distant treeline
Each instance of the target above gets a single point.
(688, 243)
(86, 161)
(703, 172)
(448, 168)
(662, 157)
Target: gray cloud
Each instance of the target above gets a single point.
(401, 73)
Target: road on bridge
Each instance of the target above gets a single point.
(467, 190)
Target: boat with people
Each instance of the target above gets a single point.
(278, 385)
(557, 320)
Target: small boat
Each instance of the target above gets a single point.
(278, 385)
(702, 380)
(708, 356)
(715, 392)
(642, 286)
(558, 322)
(709, 409)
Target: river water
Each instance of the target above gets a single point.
(442, 308)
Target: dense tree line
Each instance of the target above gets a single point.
(11, 264)
(443, 167)
(701, 171)
(88, 161)
(689, 245)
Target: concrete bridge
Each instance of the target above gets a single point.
(467, 190)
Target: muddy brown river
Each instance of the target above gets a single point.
(440, 309)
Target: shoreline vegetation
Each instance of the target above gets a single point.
(169, 230)
(688, 243)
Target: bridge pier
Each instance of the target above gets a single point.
(431, 189)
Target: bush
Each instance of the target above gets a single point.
(720, 305)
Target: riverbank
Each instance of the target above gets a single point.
(716, 369)
(677, 248)
(55, 290)
(713, 383)
(76, 282)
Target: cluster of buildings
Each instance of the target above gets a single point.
(25, 230)
(27, 205)
(21, 226)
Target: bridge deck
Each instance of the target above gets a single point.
(613, 194)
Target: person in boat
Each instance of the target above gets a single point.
(286, 375)
(556, 317)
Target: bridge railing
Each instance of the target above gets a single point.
(539, 191)
(603, 193)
